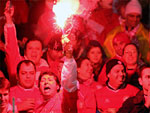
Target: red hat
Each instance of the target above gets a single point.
(121, 36)
(111, 63)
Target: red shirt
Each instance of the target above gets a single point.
(20, 94)
(109, 98)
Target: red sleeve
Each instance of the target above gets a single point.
(69, 102)
(12, 51)
(102, 78)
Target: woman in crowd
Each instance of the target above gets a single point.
(131, 57)
(97, 57)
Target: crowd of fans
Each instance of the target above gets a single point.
(103, 68)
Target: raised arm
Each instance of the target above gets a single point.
(69, 71)
(11, 45)
(69, 82)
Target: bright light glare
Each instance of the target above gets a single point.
(65, 9)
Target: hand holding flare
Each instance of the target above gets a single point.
(68, 50)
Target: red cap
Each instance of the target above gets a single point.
(121, 36)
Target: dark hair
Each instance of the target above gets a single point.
(27, 62)
(4, 84)
(133, 45)
(33, 39)
(121, 3)
(79, 61)
(94, 43)
(55, 43)
(50, 74)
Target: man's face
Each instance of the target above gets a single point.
(106, 3)
(27, 75)
(54, 54)
(130, 55)
(119, 46)
(117, 75)
(145, 80)
(4, 98)
(48, 86)
(85, 70)
(133, 19)
(34, 51)
(95, 55)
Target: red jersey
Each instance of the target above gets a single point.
(109, 98)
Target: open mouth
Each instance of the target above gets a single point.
(122, 80)
(47, 88)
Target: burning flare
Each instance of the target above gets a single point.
(65, 9)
